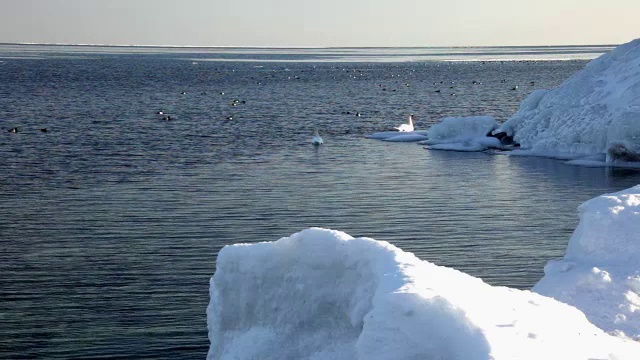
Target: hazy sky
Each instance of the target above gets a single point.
(320, 22)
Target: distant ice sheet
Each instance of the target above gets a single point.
(321, 294)
(318, 54)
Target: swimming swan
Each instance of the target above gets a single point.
(406, 127)
(316, 139)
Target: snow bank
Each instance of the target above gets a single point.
(600, 272)
(596, 111)
(321, 294)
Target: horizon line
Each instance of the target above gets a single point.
(296, 47)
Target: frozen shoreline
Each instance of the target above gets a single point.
(592, 119)
(322, 294)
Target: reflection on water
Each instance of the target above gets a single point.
(110, 222)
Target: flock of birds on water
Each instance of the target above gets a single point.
(316, 140)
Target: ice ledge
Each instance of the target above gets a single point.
(600, 272)
(321, 294)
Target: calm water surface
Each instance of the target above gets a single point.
(110, 221)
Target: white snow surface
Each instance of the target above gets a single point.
(588, 114)
(321, 294)
(600, 272)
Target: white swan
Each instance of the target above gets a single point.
(316, 139)
(406, 127)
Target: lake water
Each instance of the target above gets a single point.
(110, 222)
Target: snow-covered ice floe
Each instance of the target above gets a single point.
(595, 112)
(399, 136)
(600, 272)
(321, 294)
(462, 134)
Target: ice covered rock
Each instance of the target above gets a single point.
(600, 272)
(595, 111)
(623, 152)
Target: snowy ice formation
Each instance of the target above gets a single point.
(600, 272)
(459, 134)
(595, 113)
(462, 134)
(321, 294)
